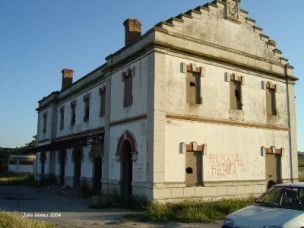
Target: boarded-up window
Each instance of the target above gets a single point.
(61, 117)
(236, 95)
(73, 113)
(102, 93)
(86, 100)
(271, 101)
(128, 96)
(44, 122)
(193, 88)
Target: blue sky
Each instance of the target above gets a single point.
(38, 38)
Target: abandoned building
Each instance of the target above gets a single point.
(201, 105)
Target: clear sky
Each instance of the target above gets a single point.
(38, 38)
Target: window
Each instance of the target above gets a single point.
(86, 100)
(236, 95)
(271, 98)
(61, 117)
(102, 93)
(128, 81)
(193, 82)
(73, 113)
(44, 122)
(236, 83)
(193, 88)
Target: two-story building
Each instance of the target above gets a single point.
(201, 106)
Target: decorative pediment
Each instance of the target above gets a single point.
(232, 10)
(207, 25)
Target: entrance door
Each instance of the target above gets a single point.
(77, 167)
(194, 164)
(97, 174)
(62, 160)
(126, 187)
(273, 168)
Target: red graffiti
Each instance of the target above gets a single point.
(225, 165)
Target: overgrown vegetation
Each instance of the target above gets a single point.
(11, 219)
(15, 179)
(184, 211)
(133, 203)
(193, 211)
(47, 180)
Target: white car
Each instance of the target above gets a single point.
(282, 206)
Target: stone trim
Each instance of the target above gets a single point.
(127, 136)
(226, 122)
(129, 120)
(81, 134)
(43, 141)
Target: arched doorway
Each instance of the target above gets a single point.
(126, 170)
(77, 157)
(96, 155)
(126, 149)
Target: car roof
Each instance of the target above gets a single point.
(296, 185)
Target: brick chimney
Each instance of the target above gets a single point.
(67, 78)
(132, 30)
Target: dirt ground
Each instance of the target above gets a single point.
(71, 212)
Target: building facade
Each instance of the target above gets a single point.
(201, 106)
(21, 163)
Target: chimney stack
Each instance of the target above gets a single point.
(67, 78)
(132, 30)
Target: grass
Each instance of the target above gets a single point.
(192, 211)
(15, 179)
(12, 220)
(186, 211)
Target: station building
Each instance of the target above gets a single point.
(199, 106)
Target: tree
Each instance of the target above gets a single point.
(33, 143)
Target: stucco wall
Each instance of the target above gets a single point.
(139, 88)
(138, 130)
(233, 153)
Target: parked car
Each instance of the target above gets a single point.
(282, 206)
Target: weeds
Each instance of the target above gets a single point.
(193, 211)
(11, 219)
(15, 179)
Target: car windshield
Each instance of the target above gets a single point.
(283, 197)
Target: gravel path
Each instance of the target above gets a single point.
(71, 212)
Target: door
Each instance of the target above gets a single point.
(126, 185)
(97, 174)
(194, 164)
(273, 168)
(62, 160)
(77, 167)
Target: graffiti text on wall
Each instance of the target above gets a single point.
(225, 164)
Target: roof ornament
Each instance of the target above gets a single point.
(233, 10)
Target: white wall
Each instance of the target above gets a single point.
(233, 153)
(139, 91)
(138, 129)
(95, 121)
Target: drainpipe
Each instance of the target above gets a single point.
(289, 123)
